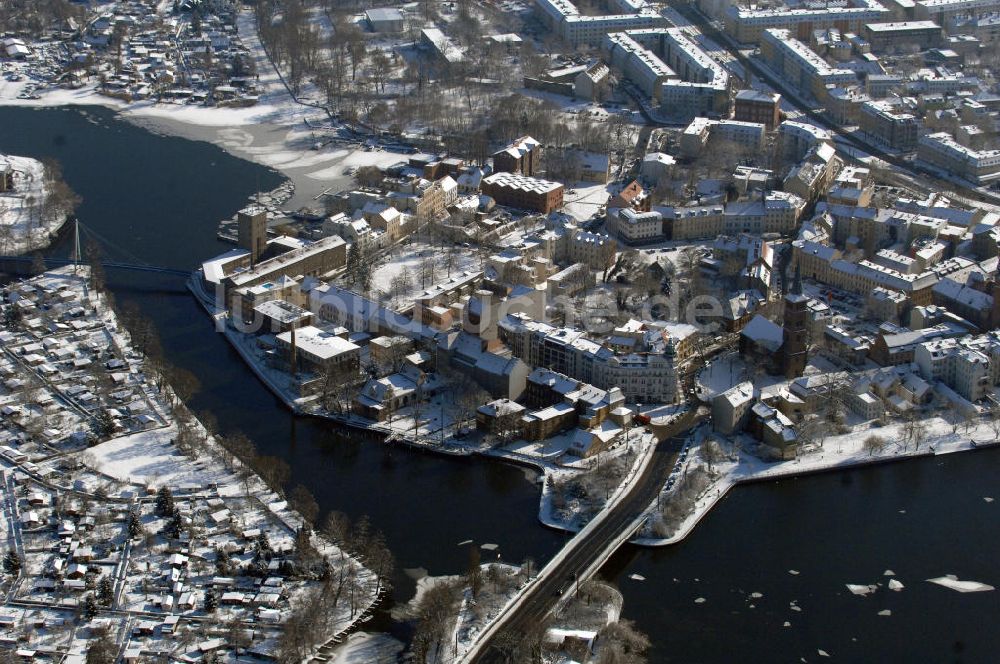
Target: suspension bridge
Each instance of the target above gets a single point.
(122, 259)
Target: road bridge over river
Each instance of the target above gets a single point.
(584, 555)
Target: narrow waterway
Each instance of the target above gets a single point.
(158, 199)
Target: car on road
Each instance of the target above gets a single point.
(567, 584)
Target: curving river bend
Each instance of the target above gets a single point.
(159, 198)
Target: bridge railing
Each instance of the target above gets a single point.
(484, 636)
(54, 261)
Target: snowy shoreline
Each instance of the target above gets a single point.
(26, 221)
(735, 477)
(274, 133)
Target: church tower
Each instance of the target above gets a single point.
(794, 349)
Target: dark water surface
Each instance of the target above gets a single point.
(158, 199)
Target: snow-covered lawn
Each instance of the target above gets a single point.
(585, 200)
(416, 259)
(23, 223)
(368, 648)
(150, 458)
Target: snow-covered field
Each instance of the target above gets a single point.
(586, 199)
(366, 648)
(24, 226)
(150, 458)
(418, 259)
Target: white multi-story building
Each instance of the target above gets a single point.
(646, 376)
(944, 10)
(700, 130)
(639, 65)
(747, 24)
(563, 18)
(798, 138)
(798, 64)
(672, 69)
(635, 227)
(944, 152)
(968, 365)
(888, 125)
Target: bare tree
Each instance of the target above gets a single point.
(874, 444)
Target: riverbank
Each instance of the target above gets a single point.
(102, 455)
(278, 132)
(843, 452)
(30, 216)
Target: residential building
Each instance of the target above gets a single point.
(798, 64)
(385, 19)
(564, 19)
(889, 36)
(757, 106)
(882, 122)
(523, 156)
(966, 365)
(525, 193)
(731, 409)
(592, 84)
(796, 139)
(944, 152)
(747, 24)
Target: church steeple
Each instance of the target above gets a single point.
(794, 350)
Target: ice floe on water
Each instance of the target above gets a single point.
(756, 595)
(637, 577)
(861, 590)
(951, 581)
(489, 546)
(988, 499)
(700, 600)
(888, 572)
(895, 585)
(885, 612)
(464, 543)
(793, 572)
(822, 653)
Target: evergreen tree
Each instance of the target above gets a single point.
(175, 525)
(211, 601)
(11, 563)
(164, 502)
(105, 591)
(262, 547)
(103, 424)
(102, 649)
(89, 607)
(134, 525)
(222, 562)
